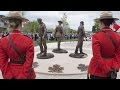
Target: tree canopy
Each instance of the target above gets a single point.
(31, 27)
(65, 23)
(95, 28)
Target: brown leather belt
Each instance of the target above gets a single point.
(107, 56)
(17, 62)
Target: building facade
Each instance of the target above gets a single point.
(3, 24)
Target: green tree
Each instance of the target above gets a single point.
(50, 30)
(65, 24)
(95, 28)
(31, 27)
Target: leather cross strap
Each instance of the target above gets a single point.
(111, 39)
(22, 56)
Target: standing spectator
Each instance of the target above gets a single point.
(105, 62)
(16, 58)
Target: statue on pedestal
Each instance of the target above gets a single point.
(42, 41)
(59, 34)
(81, 35)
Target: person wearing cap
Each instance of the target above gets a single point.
(59, 33)
(16, 50)
(81, 35)
(42, 37)
(105, 62)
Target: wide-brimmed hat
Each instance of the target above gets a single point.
(106, 15)
(60, 21)
(15, 15)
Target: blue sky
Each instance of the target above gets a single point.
(50, 18)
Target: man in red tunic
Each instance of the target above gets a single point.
(11, 63)
(106, 50)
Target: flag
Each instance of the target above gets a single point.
(116, 26)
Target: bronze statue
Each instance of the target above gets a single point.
(42, 37)
(59, 34)
(81, 35)
(42, 41)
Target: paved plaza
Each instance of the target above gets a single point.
(68, 63)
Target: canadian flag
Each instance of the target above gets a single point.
(115, 26)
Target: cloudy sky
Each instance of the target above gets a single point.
(50, 18)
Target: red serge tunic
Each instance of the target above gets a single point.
(102, 46)
(24, 45)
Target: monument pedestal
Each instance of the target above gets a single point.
(47, 56)
(59, 51)
(78, 55)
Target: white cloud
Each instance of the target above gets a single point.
(4, 12)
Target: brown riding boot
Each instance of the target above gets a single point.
(76, 51)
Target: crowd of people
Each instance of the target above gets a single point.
(3, 34)
(50, 36)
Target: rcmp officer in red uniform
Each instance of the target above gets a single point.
(105, 62)
(16, 50)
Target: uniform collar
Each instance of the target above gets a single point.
(106, 28)
(16, 31)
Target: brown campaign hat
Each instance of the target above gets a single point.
(106, 15)
(16, 15)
